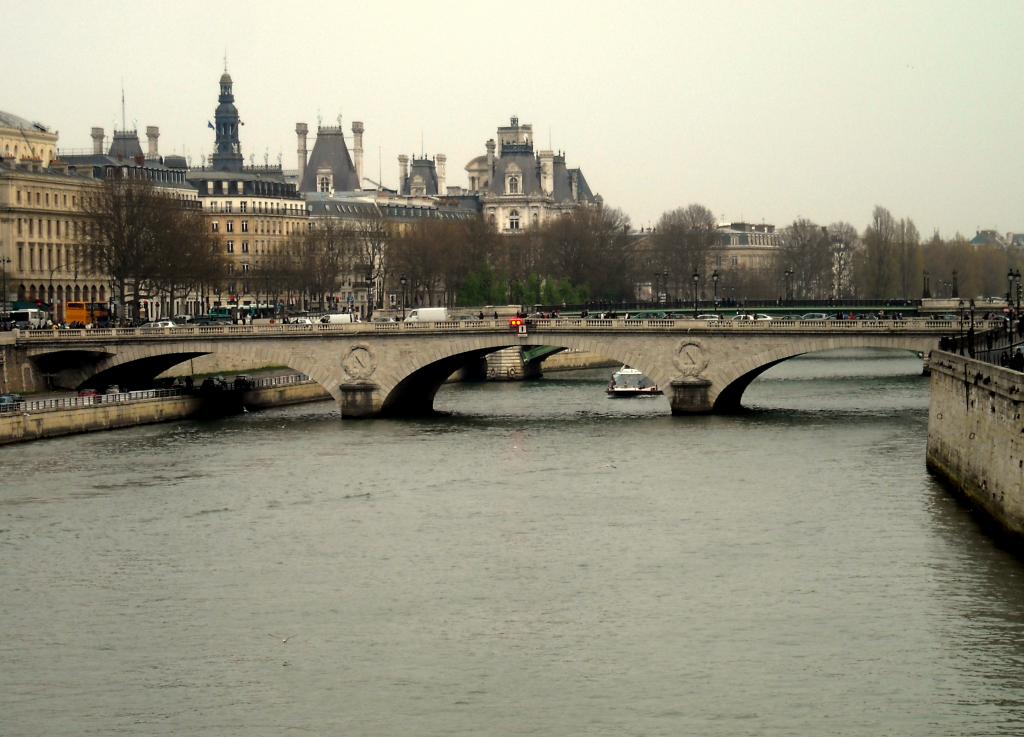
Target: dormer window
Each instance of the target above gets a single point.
(418, 187)
(325, 181)
(513, 179)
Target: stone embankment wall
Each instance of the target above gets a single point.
(976, 437)
(17, 427)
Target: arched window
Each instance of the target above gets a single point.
(513, 220)
(513, 185)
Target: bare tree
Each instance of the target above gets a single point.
(805, 258)
(684, 238)
(143, 239)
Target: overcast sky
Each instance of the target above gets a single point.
(763, 111)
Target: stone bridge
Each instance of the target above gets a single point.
(381, 369)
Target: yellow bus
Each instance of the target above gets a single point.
(86, 313)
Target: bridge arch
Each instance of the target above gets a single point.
(731, 380)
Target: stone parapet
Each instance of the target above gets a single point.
(976, 437)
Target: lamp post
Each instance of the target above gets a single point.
(664, 284)
(369, 294)
(655, 288)
(696, 280)
(4, 308)
(926, 287)
(789, 281)
(403, 281)
(714, 280)
(960, 305)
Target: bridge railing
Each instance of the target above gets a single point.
(97, 400)
(490, 325)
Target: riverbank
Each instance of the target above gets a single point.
(24, 426)
(975, 442)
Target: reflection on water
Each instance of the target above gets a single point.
(544, 560)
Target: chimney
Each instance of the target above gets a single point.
(442, 187)
(403, 172)
(490, 159)
(547, 171)
(357, 151)
(301, 130)
(97, 140)
(152, 134)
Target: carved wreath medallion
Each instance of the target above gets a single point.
(690, 359)
(360, 363)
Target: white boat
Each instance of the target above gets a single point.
(628, 382)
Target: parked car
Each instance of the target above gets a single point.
(815, 316)
(113, 389)
(89, 392)
(709, 317)
(757, 317)
(301, 321)
(10, 402)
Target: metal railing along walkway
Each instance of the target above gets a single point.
(32, 406)
(570, 324)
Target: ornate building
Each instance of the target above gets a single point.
(26, 140)
(520, 189)
(251, 210)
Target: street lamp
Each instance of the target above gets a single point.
(664, 284)
(714, 280)
(403, 281)
(655, 290)
(926, 291)
(960, 304)
(3, 269)
(696, 280)
(789, 281)
(369, 294)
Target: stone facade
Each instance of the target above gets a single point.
(976, 437)
(26, 141)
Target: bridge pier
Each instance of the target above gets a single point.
(359, 400)
(690, 396)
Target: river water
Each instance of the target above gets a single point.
(544, 561)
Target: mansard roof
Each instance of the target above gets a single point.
(10, 120)
(425, 169)
(330, 152)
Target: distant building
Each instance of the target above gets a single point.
(745, 246)
(252, 210)
(989, 238)
(520, 189)
(24, 140)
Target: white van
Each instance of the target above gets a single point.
(338, 319)
(428, 314)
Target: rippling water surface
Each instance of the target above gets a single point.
(543, 561)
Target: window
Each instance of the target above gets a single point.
(245, 246)
(245, 267)
(513, 185)
(231, 246)
(245, 226)
(325, 184)
(241, 207)
(215, 226)
(231, 226)
(513, 220)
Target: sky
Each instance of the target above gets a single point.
(763, 111)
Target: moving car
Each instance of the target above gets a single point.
(158, 325)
